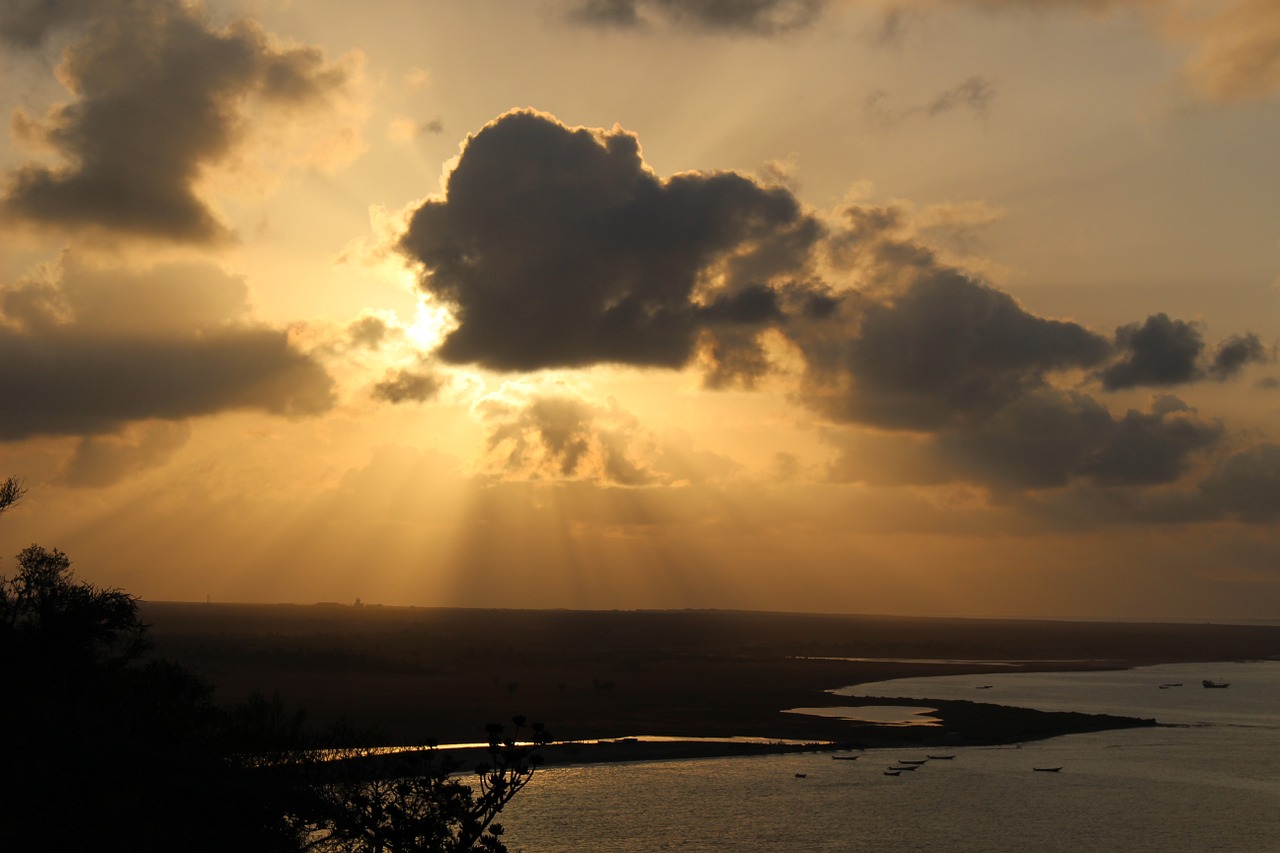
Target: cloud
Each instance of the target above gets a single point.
(1234, 353)
(558, 247)
(1160, 352)
(1235, 44)
(1238, 53)
(73, 361)
(1246, 485)
(407, 386)
(974, 94)
(1044, 439)
(945, 350)
(754, 17)
(563, 438)
(159, 98)
(28, 23)
(1163, 352)
(369, 332)
(101, 461)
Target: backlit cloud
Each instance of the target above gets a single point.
(86, 351)
(558, 247)
(159, 94)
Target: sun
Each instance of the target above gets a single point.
(432, 323)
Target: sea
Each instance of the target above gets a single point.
(1207, 780)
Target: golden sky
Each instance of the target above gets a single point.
(936, 307)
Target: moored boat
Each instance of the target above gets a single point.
(1220, 684)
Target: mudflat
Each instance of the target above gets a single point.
(415, 674)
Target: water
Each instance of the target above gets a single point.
(1211, 782)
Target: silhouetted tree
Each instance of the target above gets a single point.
(101, 749)
(366, 801)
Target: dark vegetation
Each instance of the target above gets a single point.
(105, 747)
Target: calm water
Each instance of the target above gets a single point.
(1210, 783)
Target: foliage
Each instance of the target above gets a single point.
(102, 749)
(368, 801)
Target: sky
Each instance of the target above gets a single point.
(916, 307)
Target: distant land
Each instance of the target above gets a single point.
(414, 674)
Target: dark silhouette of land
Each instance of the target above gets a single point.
(415, 674)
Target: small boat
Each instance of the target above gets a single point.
(802, 775)
(844, 758)
(912, 760)
(1208, 683)
(984, 687)
(893, 773)
(906, 767)
(1170, 684)
(941, 757)
(1046, 769)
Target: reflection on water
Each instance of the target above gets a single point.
(885, 715)
(1211, 786)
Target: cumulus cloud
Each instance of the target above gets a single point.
(945, 350)
(558, 247)
(159, 98)
(1162, 352)
(756, 17)
(87, 351)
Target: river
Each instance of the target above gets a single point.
(1208, 781)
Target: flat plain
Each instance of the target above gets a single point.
(416, 674)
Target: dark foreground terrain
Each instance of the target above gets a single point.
(415, 674)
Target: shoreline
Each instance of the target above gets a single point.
(422, 676)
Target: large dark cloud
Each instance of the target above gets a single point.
(557, 247)
(945, 350)
(159, 95)
(758, 17)
(72, 362)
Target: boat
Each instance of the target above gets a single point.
(844, 758)
(1046, 769)
(941, 757)
(802, 775)
(1170, 684)
(905, 767)
(912, 760)
(1208, 683)
(893, 773)
(984, 687)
